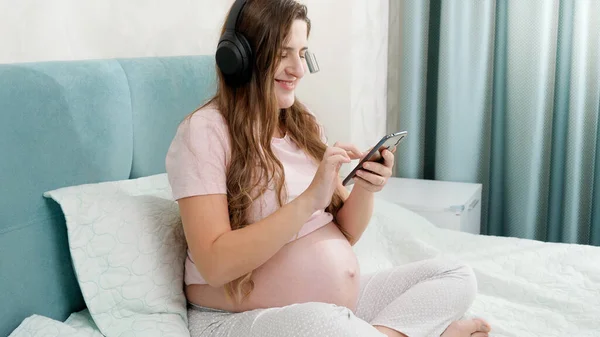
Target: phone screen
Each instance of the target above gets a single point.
(388, 142)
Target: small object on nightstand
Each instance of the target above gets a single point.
(451, 205)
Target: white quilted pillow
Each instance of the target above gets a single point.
(128, 251)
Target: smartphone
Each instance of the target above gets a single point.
(388, 142)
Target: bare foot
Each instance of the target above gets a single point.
(476, 327)
(389, 332)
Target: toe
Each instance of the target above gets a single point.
(474, 325)
(482, 325)
(480, 334)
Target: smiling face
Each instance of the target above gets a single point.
(292, 66)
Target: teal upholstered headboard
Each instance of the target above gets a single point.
(69, 123)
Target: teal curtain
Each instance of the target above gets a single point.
(506, 94)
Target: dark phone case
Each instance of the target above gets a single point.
(376, 154)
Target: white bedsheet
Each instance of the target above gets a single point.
(79, 324)
(526, 288)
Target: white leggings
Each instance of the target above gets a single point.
(417, 299)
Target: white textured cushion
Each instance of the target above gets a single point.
(128, 251)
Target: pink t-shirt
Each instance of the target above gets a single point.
(196, 165)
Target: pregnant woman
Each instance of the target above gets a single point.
(270, 227)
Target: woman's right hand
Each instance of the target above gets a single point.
(325, 182)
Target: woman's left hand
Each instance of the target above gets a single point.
(375, 175)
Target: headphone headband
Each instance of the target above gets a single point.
(234, 15)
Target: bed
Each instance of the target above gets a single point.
(68, 128)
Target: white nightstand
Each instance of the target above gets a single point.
(450, 205)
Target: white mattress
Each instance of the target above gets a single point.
(526, 288)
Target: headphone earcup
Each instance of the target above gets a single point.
(234, 56)
(248, 58)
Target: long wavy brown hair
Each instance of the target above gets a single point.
(252, 115)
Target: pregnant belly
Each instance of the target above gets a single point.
(319, 267)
